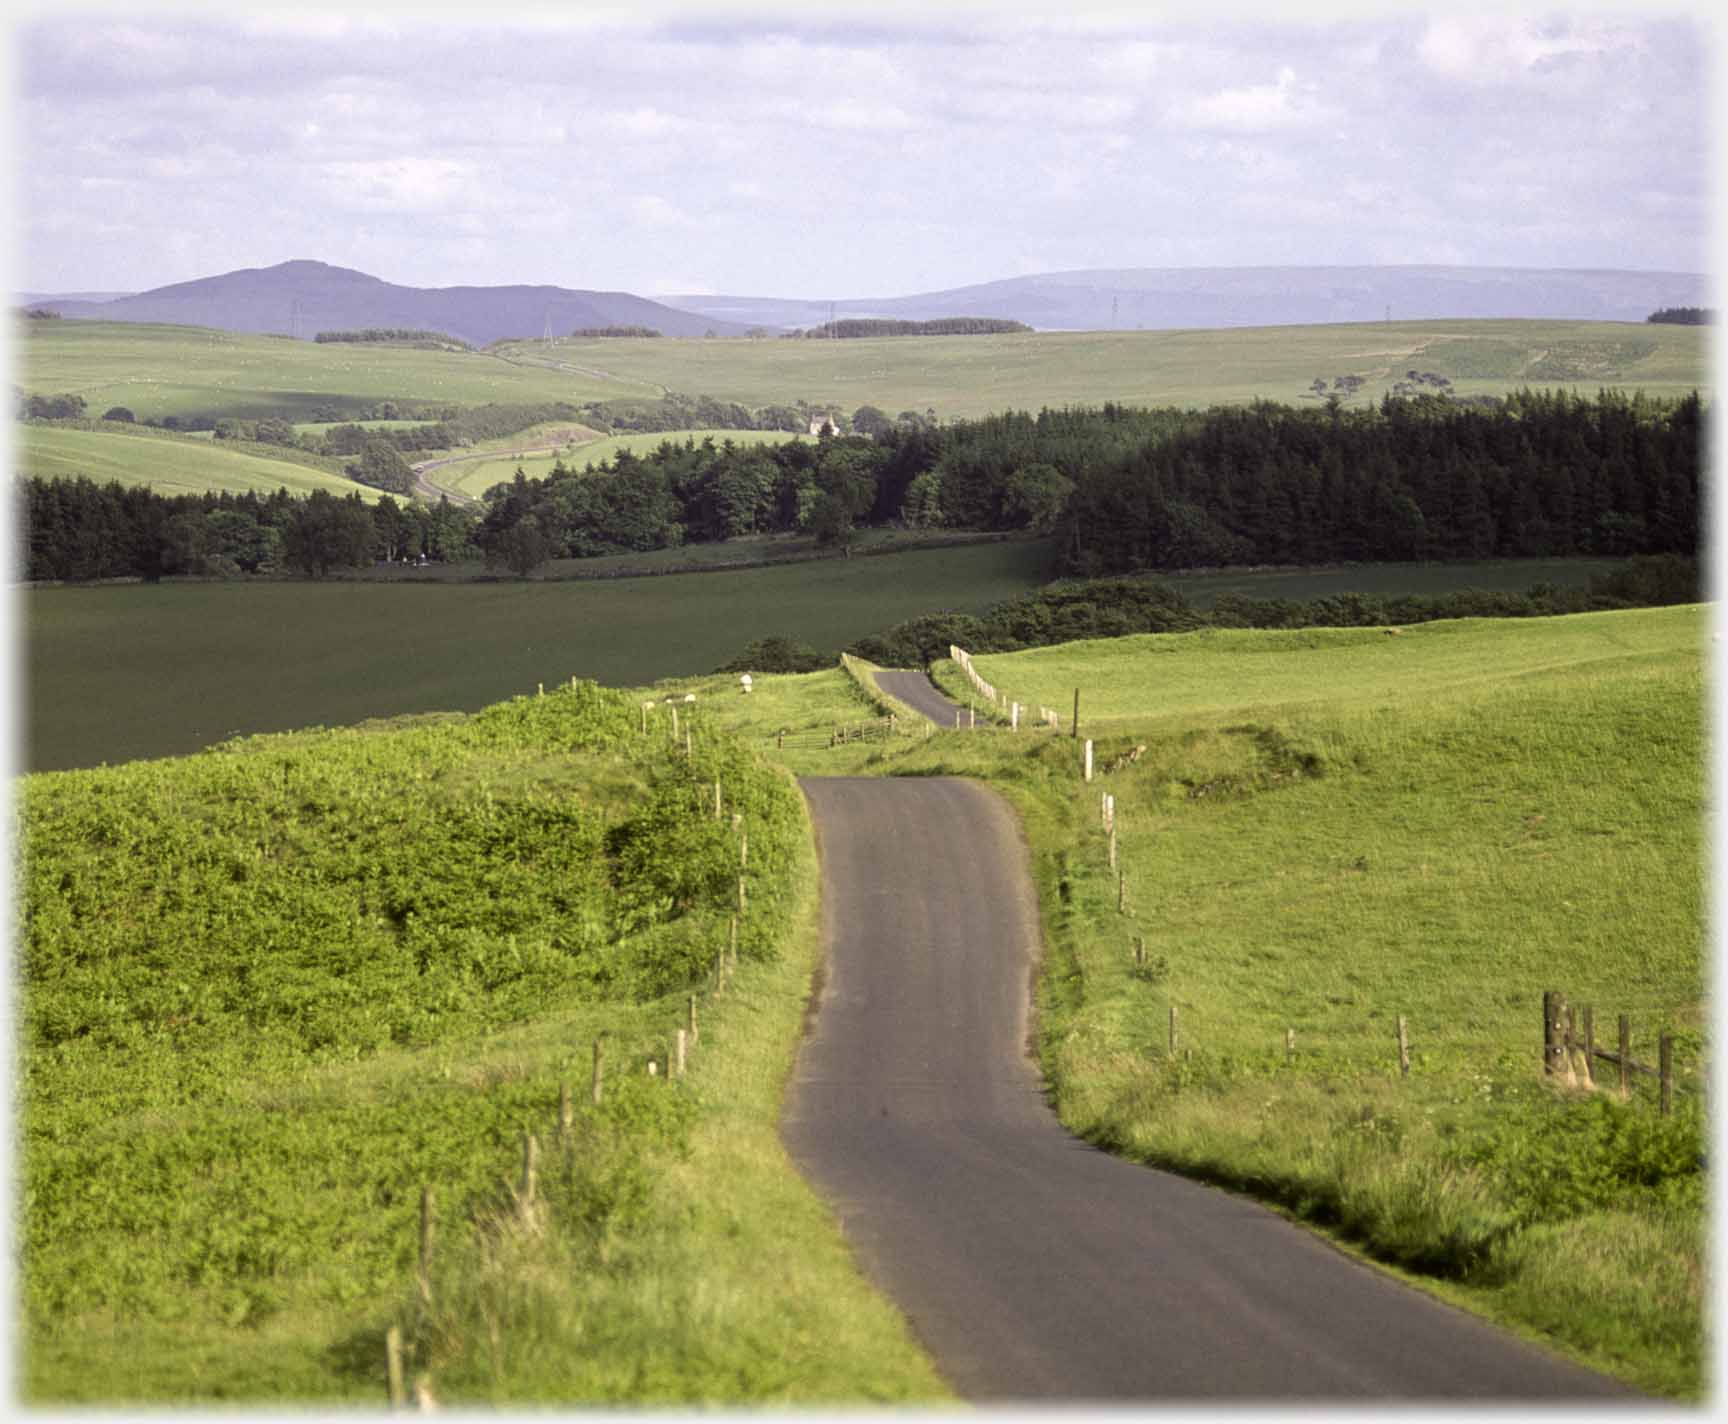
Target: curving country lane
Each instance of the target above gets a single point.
(1033, 1267)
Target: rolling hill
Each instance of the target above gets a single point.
(1155, 298)
(302, 298)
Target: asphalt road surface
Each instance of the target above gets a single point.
(1032, 1267)
(919, 693)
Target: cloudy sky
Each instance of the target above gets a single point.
(818, 153)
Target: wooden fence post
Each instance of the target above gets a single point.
(425, 1280)
(678, 1055)
(599, 1070)
(674, 724)
(1289, 1045)
(530, 1172)
(1553, 1048)
(1088, 758)
(1172, 1031)
(1112, 847)
(1571, 1046)
(695, 1030)
(1665, 1064)
(1074, 731)
(565, 1115)
(393, 1367)
(1589, 1047)
(1121, 891)
(716, 798)
(1403, 1047)
(1625, 1058)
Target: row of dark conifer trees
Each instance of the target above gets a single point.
(1119, 489)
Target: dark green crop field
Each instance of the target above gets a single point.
(121, 672)
(118, 673)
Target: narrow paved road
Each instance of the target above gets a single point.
(919, 693)
(1034, 1267)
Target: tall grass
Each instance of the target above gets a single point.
(269, 993)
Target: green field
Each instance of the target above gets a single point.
(1226, 670)
(165, 464)
(164, 370)
(181, 370)
(200, 661)
(474, 478)
(976, 375)
(192, 663)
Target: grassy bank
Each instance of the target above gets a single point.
(250, 1041)
(168, 464)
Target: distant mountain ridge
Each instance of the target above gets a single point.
(302, 298)
(1165, 298)
(305, 297)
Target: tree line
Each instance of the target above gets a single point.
(1542, 474)
(394, 335)
(1682, 316)
(76, 529)
(1123, 490)
(584, 333)
(854, 327)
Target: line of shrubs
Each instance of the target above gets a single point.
(1070, 610)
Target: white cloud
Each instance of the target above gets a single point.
(651, 210)
(397, 185)
(1481, 49)
(646, 123)
(1258, 108)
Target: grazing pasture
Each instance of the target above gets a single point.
(164, 463)
(475, 477)
(184, 370)
(168, 370)
(977, 375)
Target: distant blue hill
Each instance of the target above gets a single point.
(302, 298)
(1165, 298)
